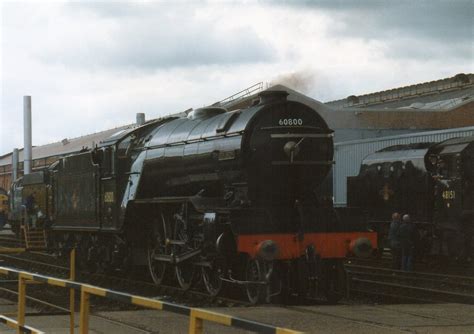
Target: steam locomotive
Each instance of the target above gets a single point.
(213, 196)
(433, 182)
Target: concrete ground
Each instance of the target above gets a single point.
(364, 319)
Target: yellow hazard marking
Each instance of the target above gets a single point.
(56, 282)
(7, 250)
(286, 331)
(211, 316)
(145, 302)
(26, 275)
(94, 290)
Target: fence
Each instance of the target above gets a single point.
(197, 316)
(22, 329)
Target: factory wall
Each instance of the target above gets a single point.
(343, 135)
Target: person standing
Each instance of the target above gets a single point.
(30, 206)
(394, 240)
(3, 218)
(407, 242)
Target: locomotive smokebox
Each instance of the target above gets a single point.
(271, 96)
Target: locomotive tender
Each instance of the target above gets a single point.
(433, 182)
(224, 196)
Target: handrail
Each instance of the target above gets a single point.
(243, 93)
(14, 325)
(10, 250)
(197, 315)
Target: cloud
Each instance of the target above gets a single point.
(150, 36)
(92, 65)
(429, 18)
(442, 27)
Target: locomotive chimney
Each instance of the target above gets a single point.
(14, 164)
(140, 118)
(27, 155)
(269, 96)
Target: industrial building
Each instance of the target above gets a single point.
(45, 155)
(436, 105)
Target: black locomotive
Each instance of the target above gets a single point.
(225, 196)
(433, 182)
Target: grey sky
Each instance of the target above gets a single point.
(90, 66)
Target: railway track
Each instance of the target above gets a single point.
(57, 308)
(54, 301)
(366, 277)
(449, 267)
(31, 262)
(395, 285)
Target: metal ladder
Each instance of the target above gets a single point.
(34, 238)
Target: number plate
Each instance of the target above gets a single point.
(290, 121)
(449, 194)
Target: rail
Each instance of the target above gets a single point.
(14, 325)
(196, 316)
(258, 87)
(12, 250)
(412, 286)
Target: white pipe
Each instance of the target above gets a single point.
(14, 164)
(27, 156)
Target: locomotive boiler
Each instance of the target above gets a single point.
(433, 182)
(215, 196)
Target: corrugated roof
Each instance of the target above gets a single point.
(66, 146)
(453, 90)
(451, 115)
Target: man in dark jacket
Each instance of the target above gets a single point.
(407, 234)
(3, 219)
(30, 206)
(394, 239)
(30, 203)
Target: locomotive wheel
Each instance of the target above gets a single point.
(156, 246)
(254, 272)
(185, 271)
(185, 275)
(157, 268)
(211, 277)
